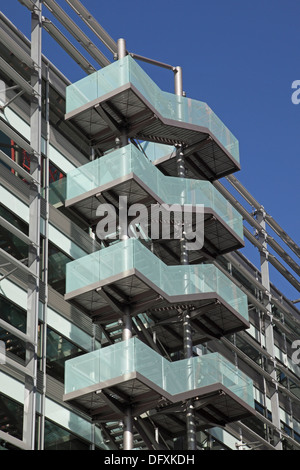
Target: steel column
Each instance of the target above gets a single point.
(187, 329)
(121, 46)
(34, 229)
(127, 325)
(45, 259)
(127, 419)
(269, 332)
(128, 430)
(178, 81)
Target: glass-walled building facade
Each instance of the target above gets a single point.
(59, 322)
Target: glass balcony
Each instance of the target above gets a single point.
(169, 106)
(171, 190)
(86, 273)
(173, 378)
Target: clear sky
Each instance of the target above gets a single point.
(240, 57)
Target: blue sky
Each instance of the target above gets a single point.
(240, 57)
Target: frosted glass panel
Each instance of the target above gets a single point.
(99, 265)
(173, 377)
(97, 84)
(173, 280)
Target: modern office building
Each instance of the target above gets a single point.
(118, 331)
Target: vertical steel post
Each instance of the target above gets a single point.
(269, 333)
(34, 230)
(187, 329)
(127, 325)
(126, 335)
(128, 430)
(45, 257)
(123, 138)
(178, 81)
(127, 418)
(127, 320)
(121, 48)
(121, 53)
(121, 141)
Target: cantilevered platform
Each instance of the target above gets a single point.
(122, 99)
(216, 406)
(128, 275)
(127, 172)
(103, 383)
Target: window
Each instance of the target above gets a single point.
(57, 438)
(13, 219)
(59, 349)
(296, 436)
(282, 378)
(286, 428)
(11, 417)
(294, 388)
(57, 186)
(256, 425)
(22, 158)
(57, 268)
(263, 410)
(15, 152)
(248, 350)
(260, 408)
(15, 316)
(11, 243)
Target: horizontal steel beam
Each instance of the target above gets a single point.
(93, 24)
(15, 332)
(248, 217)
(269, 219)
(15, 166)
(273, 260)
(15, 231)
(13, 74)
(15, 49)
(230, 258)
(28, 4)
(13, 440)
(282, 253)
(15, 136)
(16, 263)
(25, 371)
(76, 32)
(152, 61)
(283, 235)
(65, 44)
